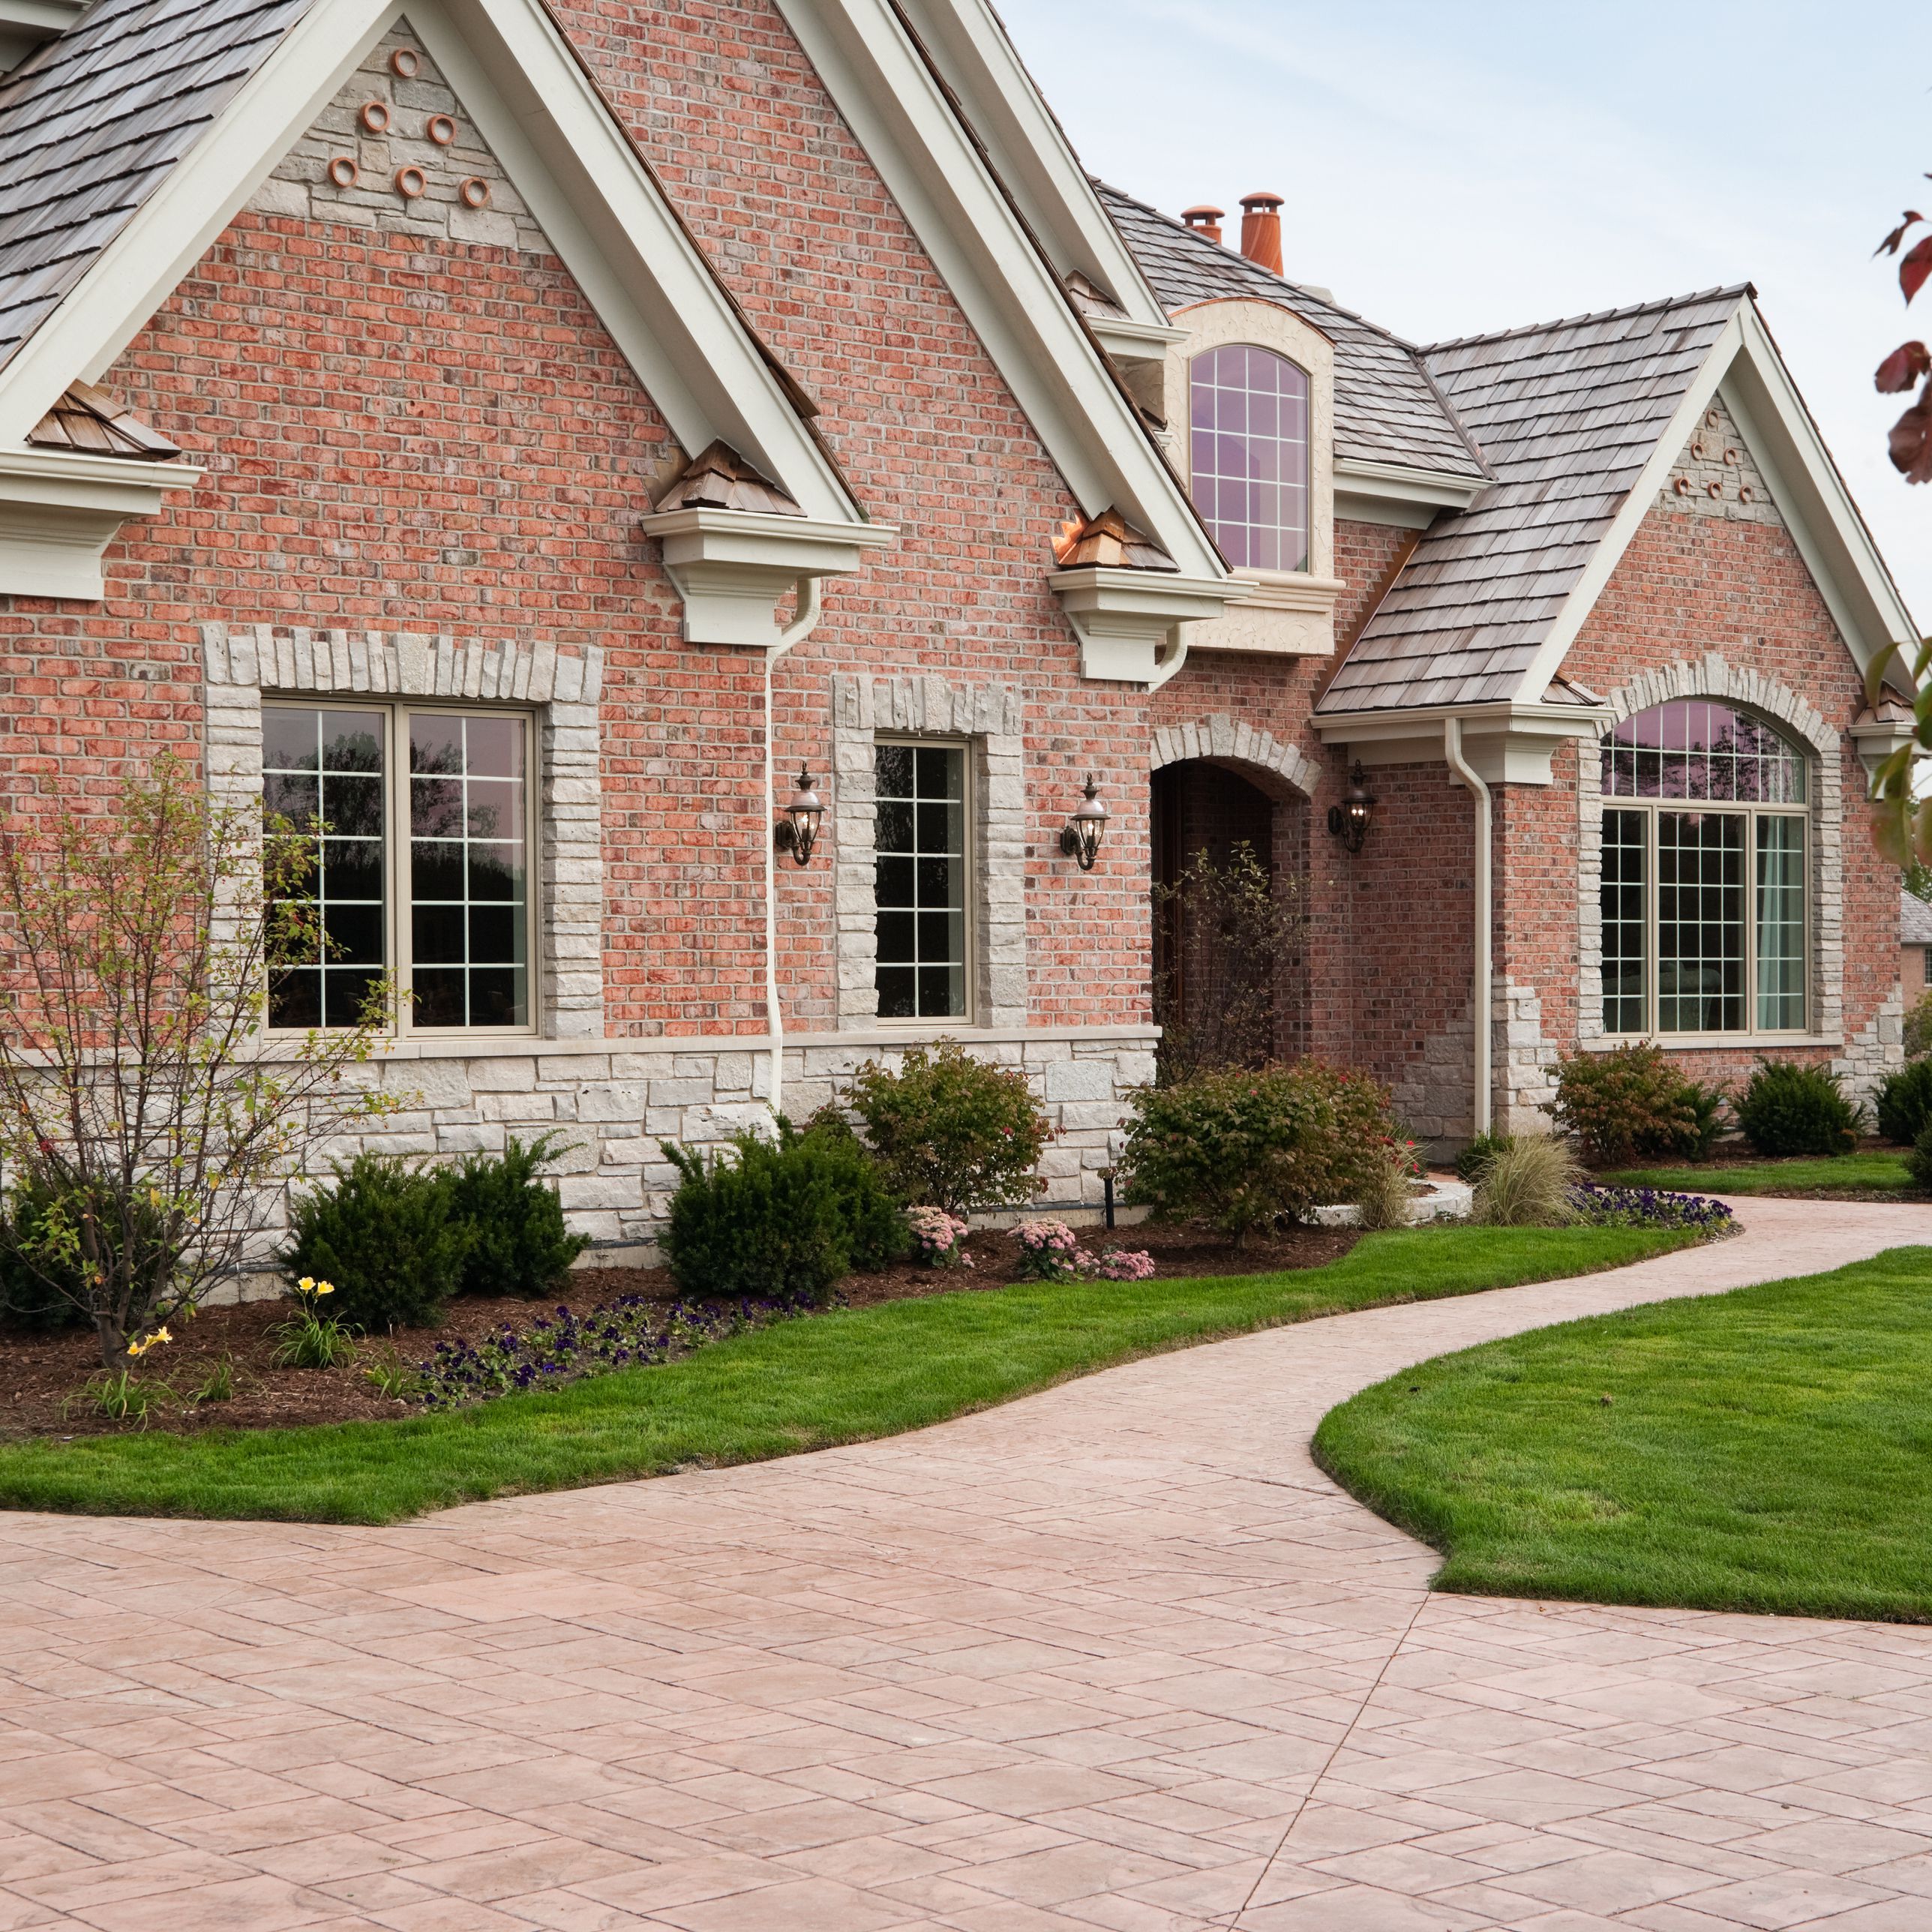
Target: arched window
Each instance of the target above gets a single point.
(1704, 915)
(1248, 454)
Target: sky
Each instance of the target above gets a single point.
(1453, 168)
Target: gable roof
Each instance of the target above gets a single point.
(1387, 407)
(1915, 920)
(1568, 414)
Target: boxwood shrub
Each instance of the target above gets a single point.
(1790, 1107)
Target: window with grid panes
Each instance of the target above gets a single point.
(1703, 899)
(422, 821)
(920, 881)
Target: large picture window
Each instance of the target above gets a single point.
(423, 823)
(921, 880)
(1248, 454)
(1703, 897)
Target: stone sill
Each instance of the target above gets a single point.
(1679, 1042)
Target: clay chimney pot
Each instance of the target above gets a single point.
(1261, 230)
(1204, 220)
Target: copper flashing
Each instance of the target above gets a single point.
(718, 478)
(1111, 541)
(91, 421)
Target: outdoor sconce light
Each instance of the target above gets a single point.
(797, 832)
(1349, 820)
(1081, 839)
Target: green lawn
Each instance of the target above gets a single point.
(1866, 1173)
(1769, 1449)
(842, 1377)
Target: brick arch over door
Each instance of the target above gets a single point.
(1712, 677)
(1222, 739)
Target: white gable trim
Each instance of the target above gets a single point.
(929, 163)
(602, 210)
(1744, 370)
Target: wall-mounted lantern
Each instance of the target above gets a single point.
(1081, 839)
(797, 832)
(1349, 820)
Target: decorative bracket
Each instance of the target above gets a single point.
(59, 512)
(1124, 618)
(1879, 734)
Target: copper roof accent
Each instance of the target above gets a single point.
(90, 420)
(718, 478)
(1260, 229)
(1110, 541)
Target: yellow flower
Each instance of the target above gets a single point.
(307, 1284)
(324, 1288)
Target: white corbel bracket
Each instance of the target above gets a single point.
(59, 512)
(733, 567)
(1878, 736)
(1124, 618)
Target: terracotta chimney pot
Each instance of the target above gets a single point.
(1204, 220)
(1261, 230)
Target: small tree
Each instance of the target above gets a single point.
(140, 1104)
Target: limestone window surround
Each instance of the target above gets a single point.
(244, 662)
(990, 719)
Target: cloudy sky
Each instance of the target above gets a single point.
(1450, 168)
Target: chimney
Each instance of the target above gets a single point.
(1204, 220)
(1261, 230)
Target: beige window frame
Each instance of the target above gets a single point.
(397, 859)
(968, 886)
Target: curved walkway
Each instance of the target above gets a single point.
(1115, 1656)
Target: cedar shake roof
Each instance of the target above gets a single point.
(1566, 414)
(1915, 920)
(91, 421)
(91, 121)
(718, 478)
(1110, 541)
(1387, 409)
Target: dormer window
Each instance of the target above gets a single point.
(1248, 454)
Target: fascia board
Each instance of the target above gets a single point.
(1506, 741)
(1009, 296)
(178, 223)
(1631, 512)
(1398, 483)
(1811, 494)
(43, 18)
(1030, 149)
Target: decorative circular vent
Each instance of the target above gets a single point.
(375, 116)
(441, 129)
(406, 63)
(343, 172)
(410, 181)
(475, 192)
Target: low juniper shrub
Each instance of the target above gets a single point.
(388, 1236)
(1905, 1102)
(518, 1243)
(1650, 1208)
(1790, 1107)
(937, 1237)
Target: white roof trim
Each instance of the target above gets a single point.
(1009, 294)
(597, 203)
(1744, 368)
(1030, 151)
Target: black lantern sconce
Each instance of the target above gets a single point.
(797, 832)
(1081, 840)
(1349, 820)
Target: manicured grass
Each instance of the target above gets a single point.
(1770, 1449)
(842, 1377)
(1871, 1172)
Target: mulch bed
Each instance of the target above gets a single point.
(42, 1376)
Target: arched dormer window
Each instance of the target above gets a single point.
(1704, 882)
(1248, 454)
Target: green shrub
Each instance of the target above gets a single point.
(876, 1231)
(769, 1218)
(1237, 1149)
(1631, 1104)
(949, 1131)
(1790, 1107)
(42, 1274)
(1919, 1028)
(386, 1234)
(1529, 1184)
(518, 1243)
(1918, 1162)
(1475, 1157)
(1905, 1102)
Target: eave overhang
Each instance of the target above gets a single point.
(1392, 493)
(59, 512)
(1129, 622)
(1507, 743)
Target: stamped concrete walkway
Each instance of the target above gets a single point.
(1116, 1656)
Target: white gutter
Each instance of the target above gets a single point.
(804, 622)
(1483, 1023)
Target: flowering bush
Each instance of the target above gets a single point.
(1049, 1251)
(936, 1238)
(1119, 1264)
(1649, 1207)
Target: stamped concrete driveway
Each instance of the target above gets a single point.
(1114, 1656)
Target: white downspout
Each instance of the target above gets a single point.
(1452, 750)
(805, 620)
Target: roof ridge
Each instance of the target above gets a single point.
(1657, 305)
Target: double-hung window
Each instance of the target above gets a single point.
(920, 888)
(1704, 892)
(421, 819)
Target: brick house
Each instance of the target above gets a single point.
(529, 434)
